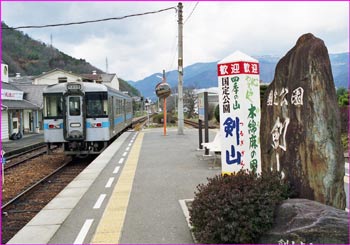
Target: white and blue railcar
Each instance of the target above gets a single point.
(84, 117)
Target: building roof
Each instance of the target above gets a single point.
(107, 78)
(9, 86)
(18, 105)
(33, 93)
(54, 70)
(92, 77)
(21, 80)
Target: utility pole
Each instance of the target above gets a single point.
(164, 108)
(180, 110)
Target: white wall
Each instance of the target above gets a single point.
(52, 78)
(4, 126)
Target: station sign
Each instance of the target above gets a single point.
(239, 101)
(201, 106)
(7, 94)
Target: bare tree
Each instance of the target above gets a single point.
(190, 101)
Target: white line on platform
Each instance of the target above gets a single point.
(99, 201)
(127, 148)
(121, 160)
(116, 170)
(124, 154)
(129, 144)
(83, 231)
(109, 182)
(132, 141)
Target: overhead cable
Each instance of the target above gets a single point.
(90, 21)
(191, 13)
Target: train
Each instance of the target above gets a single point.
(84, 117)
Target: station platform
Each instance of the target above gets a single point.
(129, 194)
(28, 141)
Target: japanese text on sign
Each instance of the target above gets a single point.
(238, 68)
(239, 99)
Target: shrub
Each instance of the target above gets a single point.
(236, 208)
(158, 118)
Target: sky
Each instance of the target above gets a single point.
(140, 46)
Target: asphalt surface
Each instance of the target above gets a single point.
(169, 170)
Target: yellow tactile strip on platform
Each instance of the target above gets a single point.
(111, 223)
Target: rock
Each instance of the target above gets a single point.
(305, 221)
(300, 126)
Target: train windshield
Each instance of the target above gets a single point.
(53, 105)
(96, 104)
(74, 106)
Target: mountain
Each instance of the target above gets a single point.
(204, 75)
(27, 56)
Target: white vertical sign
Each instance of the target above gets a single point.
(239, 100)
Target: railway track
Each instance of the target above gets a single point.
(18, 211)
(195, 124)
(25, 156)
(139, 122)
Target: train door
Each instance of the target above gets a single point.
(75, 119)
(111, 114)
(124, 110)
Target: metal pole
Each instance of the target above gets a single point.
(164, 108)
(206, 130)
(200, 133)
(180, 70)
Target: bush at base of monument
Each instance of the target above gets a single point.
(237, 208)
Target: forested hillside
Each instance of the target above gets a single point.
(29, 57)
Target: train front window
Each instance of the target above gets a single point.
(96, 104)
(74, 106)
(53, 105)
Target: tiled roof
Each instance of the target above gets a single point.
(21, 80)
(33, 93)
(96, 77)
(107, 78)
(9, 86)
(18, 104)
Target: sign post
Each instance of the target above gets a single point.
(163, 91)
(239, 101)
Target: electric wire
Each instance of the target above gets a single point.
(191, 13)
(90, 21)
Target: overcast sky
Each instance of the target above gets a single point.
(140, 46)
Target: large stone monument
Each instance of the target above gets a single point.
(300, 126)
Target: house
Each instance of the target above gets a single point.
(56, 76)
(59, 76)
(18, 115)
(110, 79)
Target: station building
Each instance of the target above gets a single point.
(18, 115)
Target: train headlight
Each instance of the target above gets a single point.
(75, 125)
